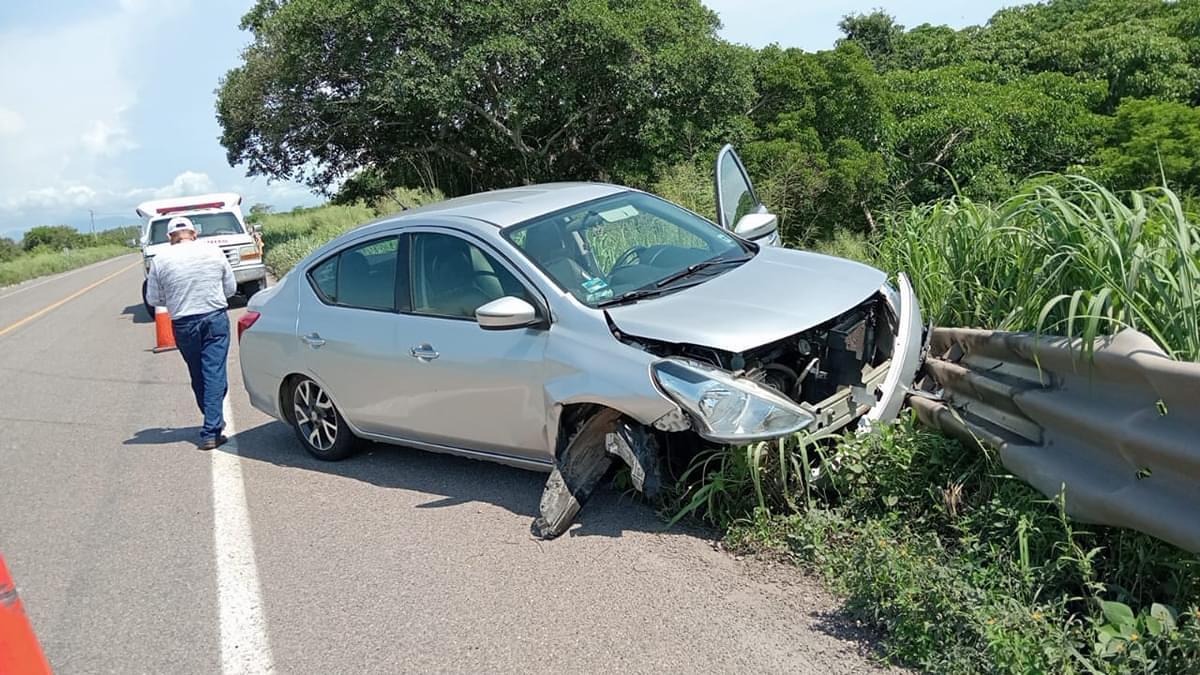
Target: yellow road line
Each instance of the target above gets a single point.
(76, 294)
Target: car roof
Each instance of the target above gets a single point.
(502, 208)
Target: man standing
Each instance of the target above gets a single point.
(193, 281)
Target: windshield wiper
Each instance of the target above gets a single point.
(630, 296)
(696, 267)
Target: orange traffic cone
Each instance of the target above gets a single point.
(20, 652)
(164, 335)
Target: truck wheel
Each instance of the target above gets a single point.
(145, 302)
(249, 288)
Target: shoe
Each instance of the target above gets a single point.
(213, 443)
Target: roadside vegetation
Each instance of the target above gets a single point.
(1035, 173)
(965, 566)
(58, 248)
(289, 237)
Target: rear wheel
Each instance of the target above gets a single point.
(318, 424)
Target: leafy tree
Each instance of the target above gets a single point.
(501, 94)
(1149, 142)
(375, 95)
(818, 115)
(1139, 48)
(876, 33)
(54, 237)
(257, 212)
(970, 125)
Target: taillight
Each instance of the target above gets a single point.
(246, 321)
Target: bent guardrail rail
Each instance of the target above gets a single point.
(1119, 429)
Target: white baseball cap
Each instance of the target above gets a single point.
(178, 224)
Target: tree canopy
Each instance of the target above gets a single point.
(361, 96)
(472, 95)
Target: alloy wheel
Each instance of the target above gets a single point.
(315, 415)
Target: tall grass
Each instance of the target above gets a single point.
(33, 265)
(289, 237)
(1065, 256)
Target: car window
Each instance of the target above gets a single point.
(453, 277)
(324, 279)
(362, 276)
(608, 239)
(737, 199)
(630, 241)
(207, 225)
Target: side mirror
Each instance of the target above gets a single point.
(256, 227)
(133, 243)
(758, 226)
(506, 312)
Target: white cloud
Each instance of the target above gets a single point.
(65, 91)
(107, 138)
(186, 183)
(11, 122)
(81, 196)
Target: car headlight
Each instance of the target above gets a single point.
(249, 252)
(725, 408)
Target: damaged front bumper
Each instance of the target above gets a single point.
(607, 436)
(878, 398)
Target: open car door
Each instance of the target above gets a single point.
(738, 207)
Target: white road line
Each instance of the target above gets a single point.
(21, 288)
(244, 645)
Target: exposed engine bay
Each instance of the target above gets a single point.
(831, 369)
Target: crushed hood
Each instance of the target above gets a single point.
(778, 293)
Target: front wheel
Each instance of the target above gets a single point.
(318, 424)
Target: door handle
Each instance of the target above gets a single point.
(313, 340)
(423, 352)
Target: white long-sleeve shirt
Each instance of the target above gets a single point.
(191, 277)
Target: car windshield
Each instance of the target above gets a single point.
(602, 250)
(207, 225)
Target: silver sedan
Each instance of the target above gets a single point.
(565, 327)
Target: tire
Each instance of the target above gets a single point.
(145, 302)
(318, 424)
(249, 288)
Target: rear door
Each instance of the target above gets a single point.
(347, 329)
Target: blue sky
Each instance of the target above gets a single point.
(106, 103)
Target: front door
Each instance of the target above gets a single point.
(739, 209)
(462, 385)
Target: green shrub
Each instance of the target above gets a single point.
(967, 568)
(9, 249)
(53, 237)
(690, 186)
(45, 261)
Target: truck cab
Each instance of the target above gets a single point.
(219, 222)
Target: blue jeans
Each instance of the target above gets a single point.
(203, 340)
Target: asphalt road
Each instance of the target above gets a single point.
(136, 552)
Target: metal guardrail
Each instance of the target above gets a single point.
(1118, 430)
